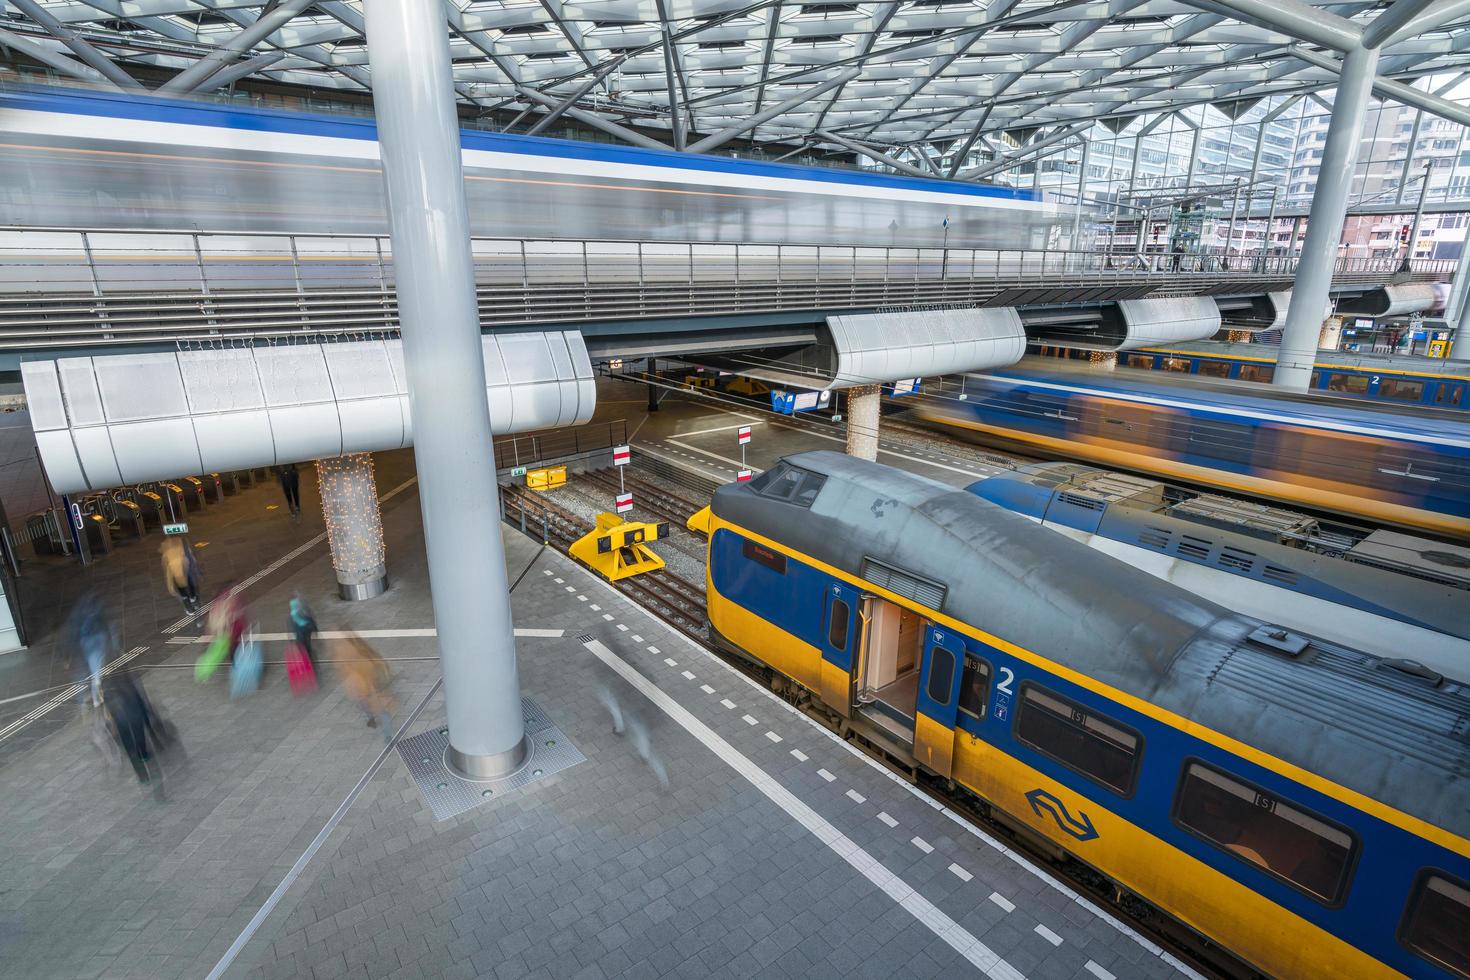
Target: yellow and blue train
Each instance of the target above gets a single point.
(1293, 801)
(1408, 466)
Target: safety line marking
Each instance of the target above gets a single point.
(403, 634)
(1048, 935)
(888, 821)
(956, 936)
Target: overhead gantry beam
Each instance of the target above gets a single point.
(873, 153)
(1025, 152)
(595, 121)
(265, 25)
(746, 125)
(78, 46)
(1387, 88)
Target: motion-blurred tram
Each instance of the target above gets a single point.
(1407, 466)
(1293, 801)
(96, 160)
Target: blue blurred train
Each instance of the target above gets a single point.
(1295, 802)
(98, 160)
(1402, 466)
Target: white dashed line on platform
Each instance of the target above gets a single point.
(856, 797)
(960, 872)
(595, 607)
(636, 638)
(826, 775)
(887, 820)
(1005, 903)
(671, 661)
(1099, 972)
(727, 702)
(622, 628)
(749, 720)
(773, 736)
(655, 651)
(798, 755)
(687, 676)
(608, 617)
(1048, 935)
(922, 845)
(706, 689)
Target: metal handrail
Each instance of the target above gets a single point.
(182, 286)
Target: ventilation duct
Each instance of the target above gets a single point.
(109, 420)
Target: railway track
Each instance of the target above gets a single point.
(681, 604)
(676, 601)
(660, 502)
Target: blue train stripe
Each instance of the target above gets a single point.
(116, 105)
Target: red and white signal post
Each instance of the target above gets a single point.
(621, 457)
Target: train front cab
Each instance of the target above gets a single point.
(1284, 867)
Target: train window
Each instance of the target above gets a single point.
(1282, 839)
(1214, 369)
(1436, 923)
(1401, 391)
(790, 483)
(975, 687)
(837, 625)
(1349, 384)
(941, 675)
(762, 555)
(1448, 394)
(1315, 380)
(1257, 372)
(1180, 364)
(1091, 744)
(1144, 361)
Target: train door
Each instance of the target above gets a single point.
(888, 670)
(841, 620)
(938, 701)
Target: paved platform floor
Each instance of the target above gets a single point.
(711, 830)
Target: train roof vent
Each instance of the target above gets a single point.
(1414, 669)
(922, 590)
(1276, 573)
(1237, 558)
(1193, 547)
(1279, 640)
(1155, 537)
(1076, 500)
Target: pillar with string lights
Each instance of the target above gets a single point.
(354, 521)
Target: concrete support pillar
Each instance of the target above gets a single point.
(354, 524)
(418, 133)
(863, 404)
(652, 388)
(1309, 294)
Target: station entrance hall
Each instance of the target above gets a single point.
(618, 491)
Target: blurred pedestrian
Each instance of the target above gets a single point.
(141, 732)
(96, 641)
(366, 678)
(229, 618)
(180, 571)
(300, 660)
(290, 486)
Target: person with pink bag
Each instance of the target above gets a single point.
(300, 664)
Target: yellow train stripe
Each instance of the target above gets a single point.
(1316, 496)
(748, 624)
(1321, 365)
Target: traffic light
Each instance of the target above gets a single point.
(1404, 234)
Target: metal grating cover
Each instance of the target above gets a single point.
(449, 795)
(907, 584)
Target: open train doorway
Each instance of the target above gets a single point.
(888, 670)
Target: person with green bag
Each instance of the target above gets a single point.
(213, 656)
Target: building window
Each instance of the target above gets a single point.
(1088, 743)
(1436, 923)
(1278, 837)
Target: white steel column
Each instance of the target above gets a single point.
(863, 412)
(1309, 294)
(418, 132)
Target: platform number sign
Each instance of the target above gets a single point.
(624, 502)
(622, 455)
(744, 434)
(1001, 710)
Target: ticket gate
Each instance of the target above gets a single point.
(193, 490)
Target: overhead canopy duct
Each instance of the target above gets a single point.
(881, 348)
(105, 421)
(1130, 324)
(1399, 300)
